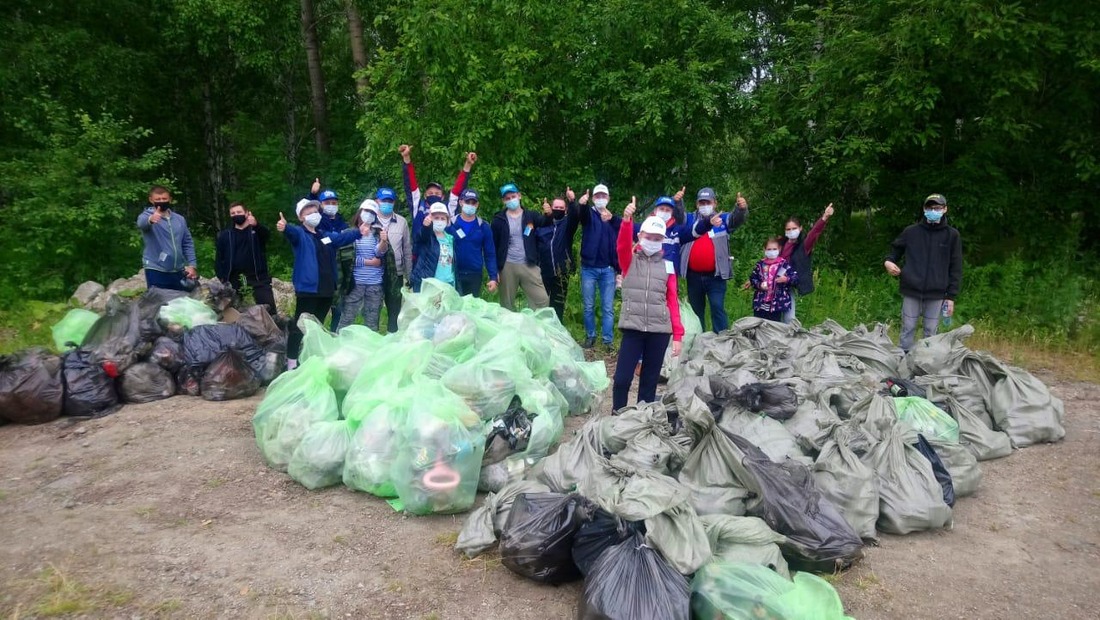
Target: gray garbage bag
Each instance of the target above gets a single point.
(485, 523)
(960, 462)
(571, 463)
(847, 482)
(910, 497)
(746, 540)
(651, 446)
(983, 442)
(939, 354)
(618, 429)
(679, 535)
(708, 473)
(1022, 405)
(765, 433)
(811, 426)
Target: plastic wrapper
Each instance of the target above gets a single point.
(89, 390)
(630, 581)
(537, 541)
(732, 590)
(293, 403)
(167, 354)
(927, 419)
(228, 377)
(72, 328)
(146, 382)
(187, 312)
(318, 461)
(31, 387)
(375, 444)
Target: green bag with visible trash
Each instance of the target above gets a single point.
(318, 461)
(735, 591)
(73, 327)
(187, 312)
(294, 402)
(379, 425)
(927, 419)
(487, 381)
(435, 299)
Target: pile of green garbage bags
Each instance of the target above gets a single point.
(465, 395)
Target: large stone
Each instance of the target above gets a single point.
(86, 293)
(284, 296)
(99, 304)
(128, 285)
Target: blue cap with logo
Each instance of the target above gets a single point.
(385, 193)
(328, 194)
(468, 195)
(664, 201)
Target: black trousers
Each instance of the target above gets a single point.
(557, 288)
(469, 283)
(391, 298)
(307, 304)
(261, 289)
(650, 348)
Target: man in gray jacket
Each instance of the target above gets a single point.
(169, 254)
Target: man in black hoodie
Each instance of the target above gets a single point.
(932, 251)
(241, 250)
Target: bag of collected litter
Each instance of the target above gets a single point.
(549, 407)
(630, 581)
(709, 472)
(844, 480)
(537, 541)
(596, 535)
(732, 590)
(670, 366)
(777, 401)
(187, 312)
(372, 450)
(257, 321)
(507, 434)
(765, 433)
(938, 469)
(983, 442)
(486, 522)
(961, 464)
(581, 383)
(187, 384)
(167, 354)
(910, 497)
(293, 403)
(1022, 406)
(203, 343)
(146, 382)
(819, 539)
(939, 354)
(228, 377)
(572, 462)
(435, 299)
(746, 540)
(72, 328)
(486, 384)
(642, 437)
(31, 387)
(927, 419)
(116, 336)
(318, 461)
(811, 426)
(89, 390)
(345, 353)
(439, 458)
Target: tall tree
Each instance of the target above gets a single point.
(316, 77)
(358, 48)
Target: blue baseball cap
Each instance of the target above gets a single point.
(508, 189)
(468, 195)
(664, 201)
(385, 193)
(328, 194)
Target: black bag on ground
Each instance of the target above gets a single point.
(942, 475)
(819, 539)
(116, 336)
(599, 534)
(228, 377)
(203, 343)
(631, 581)
(146, 382)
(89, 390)
(187, 383)
(257, 321)
(537, 541)
(31, 387)
(167, 354)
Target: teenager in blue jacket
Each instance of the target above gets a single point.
(475, 252)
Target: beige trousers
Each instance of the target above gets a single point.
(514, 276)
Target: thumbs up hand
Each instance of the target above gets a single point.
(628, 213)
(281, 226)
(741, 202)
(316, 187)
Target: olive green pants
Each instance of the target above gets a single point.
(513, 277)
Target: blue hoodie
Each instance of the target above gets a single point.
(168, 244)
(306, 271)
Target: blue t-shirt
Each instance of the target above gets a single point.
(445, 268)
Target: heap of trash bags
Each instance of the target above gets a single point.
(465, 396)
(775, 451)
(152, 347)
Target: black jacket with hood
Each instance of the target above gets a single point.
(933, 260)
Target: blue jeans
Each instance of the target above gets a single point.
(703, 288)
(604, 277)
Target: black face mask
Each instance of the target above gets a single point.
(239, 219)
(559, 214)
(160, 206)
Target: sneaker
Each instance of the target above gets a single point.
(609, 347)
(589, 342)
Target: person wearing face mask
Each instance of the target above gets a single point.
(241, 250)
(599, 263)
(517, 251)
(398, 267)
(314, 275)
(474, 250)
(418, 200)
(705, 259)
(169, 252)
(555, 244)
(435, 256)
(370, 250)
(665, 209)
(798, 251)
(932, 272)
(650, 313)
(772, 279)
(333, 221)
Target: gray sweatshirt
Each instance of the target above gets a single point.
(168, 244)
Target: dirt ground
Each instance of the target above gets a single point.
(166, 510)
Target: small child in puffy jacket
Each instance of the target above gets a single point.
(772, 279)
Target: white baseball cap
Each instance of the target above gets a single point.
(600, 189)
(369, 205)
(653, 225)
(302, 205)
(438, 207)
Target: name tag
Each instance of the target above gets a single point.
(461, 233)
(527, 232)
(326, 240)
(669, 267)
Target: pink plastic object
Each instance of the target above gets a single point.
(441, 478)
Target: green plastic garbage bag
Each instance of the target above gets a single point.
(435, 299)
(670, 367)
(747, 540)
(731, 591)
(344, 354)
(487, 381)
(927, 419)
(376, 442)
(293, 403)
(549, 407)
(581, 383)
(318, 461)
(73, 327)
(390, 367)
(187, 312)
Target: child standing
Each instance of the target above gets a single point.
(435, 254)
(772, 279)
(650, 313)
(366, 295)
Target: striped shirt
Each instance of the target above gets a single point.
(365, 249)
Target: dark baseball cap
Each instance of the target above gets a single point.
(469, 195)
(936, 199)
(706, 194)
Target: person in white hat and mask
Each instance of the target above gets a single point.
(435, 246)
(650, 314)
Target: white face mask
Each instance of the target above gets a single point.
(793, 234)
(706, 210)
(368, 218)
(439, 225)
(650, 246)
(601, 203)
(330, 210)
(771, 254)
(664, 215)
(313, 219)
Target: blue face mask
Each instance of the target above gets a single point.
(385, 208)
(512, 204)
(469, 209)
(933, 216)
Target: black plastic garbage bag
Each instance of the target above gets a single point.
(89, 391)
(257, 321)
(508, 435)
(31, 387)
(146, 382)
(938, 468)
(149, 305)
(773, 400)
(167, 354)
(116, 337)
(599, 534)
(228, 377)
(187, 382)
(203, 343)
(537, 541)
(631, 581)
(819, 539)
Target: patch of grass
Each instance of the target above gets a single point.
(395, 586)
(215, 482)
(28, 324)
(432, 616)
(340, 539)
(866, 582)
(56, 594)
(3, 494)
(447, 539)
(165, 607)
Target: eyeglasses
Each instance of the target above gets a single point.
(935, 207)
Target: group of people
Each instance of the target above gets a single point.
(354, 269)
